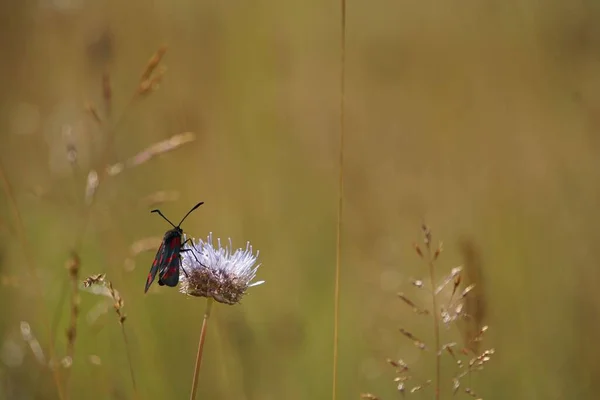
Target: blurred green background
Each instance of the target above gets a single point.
(478, 117)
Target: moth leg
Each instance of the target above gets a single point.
(184, 250)
(185, 272)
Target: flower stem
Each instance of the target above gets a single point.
(209, 303)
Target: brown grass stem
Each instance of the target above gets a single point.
(135, 391)
(436, 323)
(209, 303)
(22, 237)
(338, 246)
(73, 266)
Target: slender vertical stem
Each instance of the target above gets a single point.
(209, 303)
(135, 392)
(436, 323)
(338, 255)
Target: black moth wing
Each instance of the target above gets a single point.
(156, 266)
(171, 261)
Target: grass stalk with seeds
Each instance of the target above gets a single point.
(73, 266)
(431, 257)
(150, 78)
(95, 178)
(118, 304)
(450, 311)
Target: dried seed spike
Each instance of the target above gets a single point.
(152, 83)
(448, 347)
(417, 283)
(465, 351)
(426, 235)
(438, 251)
(418, 250)
(481, 359)
(453, 273)
(93, 280)
(479, 335)
(455, 385)
(368, 396)
(445, 316)
(153, 63)
(91, 186)
(33, 343)
(400, 365)
(467, 290)
(162, 196)
(91, 108)
(66, 362)
(417, 388)
(95, 360)
(471, 393)
(143, 245)
(416, 309)
(457, 280)
(459, 308)
(73, 265)
(401, 388)
(415, 340)
(115, 169)
(161, 147)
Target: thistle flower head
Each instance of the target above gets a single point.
(217, 272)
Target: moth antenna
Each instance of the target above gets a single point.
(189, 212)
(161, 214)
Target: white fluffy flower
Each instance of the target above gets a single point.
(217, 272)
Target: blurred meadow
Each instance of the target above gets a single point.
(480, 118)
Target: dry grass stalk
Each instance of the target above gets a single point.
(436, 321)
(91, 188)
(152, 83)
(338, 246)
(153, 63)
(416, 310)
(157, 198)
(452, 312)
(474, 304)
(418, 343)
(94, 178)
(152, 151)
(33, 343)
(369, 396)
(118, 304)
(73, 266)
(91, 108)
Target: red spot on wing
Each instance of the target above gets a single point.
(158, 259)
(171, 258)
(170, 272)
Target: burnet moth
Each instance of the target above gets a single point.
(167, 260)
